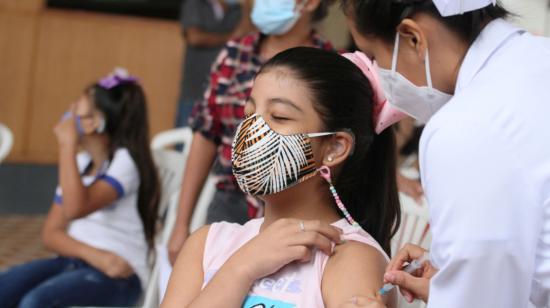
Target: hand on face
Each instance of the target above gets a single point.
(66, 130)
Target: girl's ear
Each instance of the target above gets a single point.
(339, 147)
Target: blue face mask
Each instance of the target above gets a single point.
(276, 17)
(79, 127)
(232, 2)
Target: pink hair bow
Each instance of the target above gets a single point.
(384, 115)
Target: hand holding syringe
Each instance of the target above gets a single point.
(411, 268)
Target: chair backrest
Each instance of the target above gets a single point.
(415, 229)
(170, 163)
(6, 141)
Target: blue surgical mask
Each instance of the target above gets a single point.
(232, 2)
(100, 129)
(276, 17)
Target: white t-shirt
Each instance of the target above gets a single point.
(116, 228)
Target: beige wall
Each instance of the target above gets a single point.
(335, 29)
(532, 14)
(48, 56)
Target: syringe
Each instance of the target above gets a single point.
(411, 268)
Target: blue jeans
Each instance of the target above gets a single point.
(62, 282)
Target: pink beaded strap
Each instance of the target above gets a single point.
(325, 173)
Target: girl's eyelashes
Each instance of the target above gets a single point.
(279, 118)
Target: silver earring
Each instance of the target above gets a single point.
(330, 159)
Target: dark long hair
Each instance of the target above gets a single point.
(125, 110)
(343, 98)
(380, 18)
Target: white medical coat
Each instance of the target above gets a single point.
(485, 168)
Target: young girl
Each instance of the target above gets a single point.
(282, 24)
(309, 148)
(102, 222)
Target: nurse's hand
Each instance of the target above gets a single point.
(412, 286)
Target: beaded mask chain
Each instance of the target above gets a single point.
(325, 173)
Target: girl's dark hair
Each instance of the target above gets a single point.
(125, 109)
(380, 18)
(343, 98)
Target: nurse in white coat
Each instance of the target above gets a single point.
(483, 87)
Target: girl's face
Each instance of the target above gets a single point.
(90, 117)
(269, 165)
(285, 103)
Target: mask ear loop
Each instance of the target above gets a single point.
(395, 54)
(428, 72)
(325, 174)
(101, 127)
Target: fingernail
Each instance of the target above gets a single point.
(389, 277)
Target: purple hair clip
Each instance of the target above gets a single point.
(117, 77)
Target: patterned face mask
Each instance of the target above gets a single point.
(266, 162)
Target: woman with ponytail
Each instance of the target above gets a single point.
(315, 149)
(101, 224)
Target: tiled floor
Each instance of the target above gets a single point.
(25, 196)
(20, 239)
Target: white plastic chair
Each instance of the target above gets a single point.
(415, 226)
(171, 165)
(6, 141)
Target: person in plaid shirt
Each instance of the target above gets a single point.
(217, 116)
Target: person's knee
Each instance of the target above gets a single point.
(36, 298)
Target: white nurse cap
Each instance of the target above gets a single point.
(456, 7)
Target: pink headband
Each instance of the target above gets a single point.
(384, 115)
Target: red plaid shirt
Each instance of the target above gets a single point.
(222, 109)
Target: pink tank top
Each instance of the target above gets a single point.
(294, 285)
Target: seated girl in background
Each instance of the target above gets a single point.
(102, 222)
(313, 119)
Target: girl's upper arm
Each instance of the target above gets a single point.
(99, 195)
(355, 269)
(120, 179)
(187, 276)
